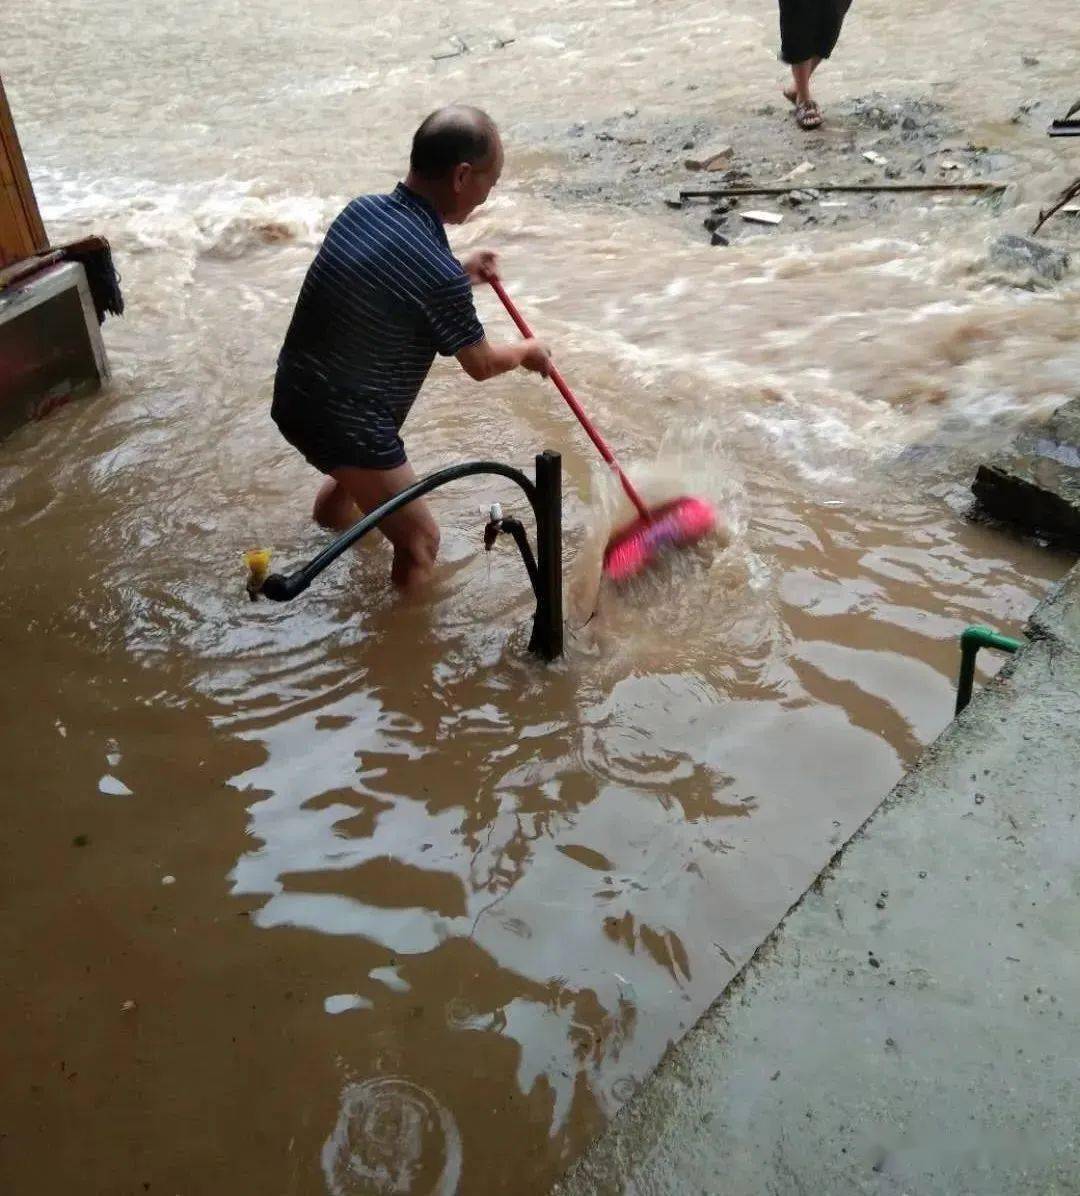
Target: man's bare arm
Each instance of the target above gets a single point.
(485, 360)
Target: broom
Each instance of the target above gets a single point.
(675, 524)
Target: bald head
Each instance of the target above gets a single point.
(451, 137)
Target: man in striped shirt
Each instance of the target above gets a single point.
(382, 297)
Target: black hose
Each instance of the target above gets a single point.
(283, 587)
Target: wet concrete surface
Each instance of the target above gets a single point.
(911, 1026)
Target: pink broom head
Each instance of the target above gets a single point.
(675, 524)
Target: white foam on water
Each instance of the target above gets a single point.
(220, 217)
(343, 1002)
(387, 1132)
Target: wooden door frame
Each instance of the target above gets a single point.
(22, 233)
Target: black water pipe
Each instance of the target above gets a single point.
(545, 569)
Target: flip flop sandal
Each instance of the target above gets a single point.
(808, 116)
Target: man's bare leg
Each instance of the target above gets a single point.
(334, 508)
(412, 531)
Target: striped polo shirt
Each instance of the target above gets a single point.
(382, 297)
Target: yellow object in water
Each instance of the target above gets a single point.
(258, 566)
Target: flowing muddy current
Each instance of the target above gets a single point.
(351, 895)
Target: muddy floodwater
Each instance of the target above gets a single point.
(352, 896)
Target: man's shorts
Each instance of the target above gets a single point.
(331, 427)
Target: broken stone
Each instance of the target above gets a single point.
(761, 217)
(631, 111)
(1011, 252)
(1036, 483)
(1029, 60)
(712, 223)
(719, 239)
(798, 171)
(875, 157)
(716, 159)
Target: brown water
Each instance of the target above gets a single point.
(347, 896)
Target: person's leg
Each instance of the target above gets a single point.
(412, 530)
(801, 72)
(334, 508)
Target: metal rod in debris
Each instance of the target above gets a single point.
(724, 192)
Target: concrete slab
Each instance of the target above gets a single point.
(1036, 482)
(913, 1025)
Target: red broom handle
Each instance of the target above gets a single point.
(574, 405)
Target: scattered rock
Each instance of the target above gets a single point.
(875, 157)
(453, 47)
(715, 159)
(631, 111)
(1029, 60)
(1011, 252)
(719, 239)
(762, 217)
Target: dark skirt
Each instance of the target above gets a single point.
(810, 28)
